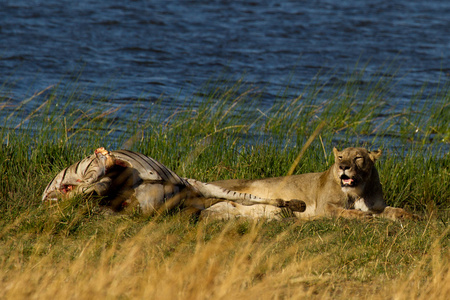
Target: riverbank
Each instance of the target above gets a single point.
(74, 251)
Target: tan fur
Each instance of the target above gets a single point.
(350, 188)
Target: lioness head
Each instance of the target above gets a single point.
(353, 168)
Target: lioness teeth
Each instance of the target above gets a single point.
(347, 181)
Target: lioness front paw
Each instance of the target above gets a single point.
(395, 213)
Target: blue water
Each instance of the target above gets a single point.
(152, 48)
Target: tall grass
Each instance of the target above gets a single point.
(223, 131)
(176, 258)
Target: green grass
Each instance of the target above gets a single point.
(73, 251)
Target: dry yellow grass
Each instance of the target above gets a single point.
(176, 258)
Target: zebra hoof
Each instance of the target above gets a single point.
(293, 204)
(296, 205)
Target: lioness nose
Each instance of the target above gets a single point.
(344, 167)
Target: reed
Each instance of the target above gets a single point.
(223, 131)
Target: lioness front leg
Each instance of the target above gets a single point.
(340, 212)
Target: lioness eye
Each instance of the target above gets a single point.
(358, 157)
(340, 157)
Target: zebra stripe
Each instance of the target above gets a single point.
(152, 182)
(148, 164)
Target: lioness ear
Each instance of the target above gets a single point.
(374, 155)
(335, 151)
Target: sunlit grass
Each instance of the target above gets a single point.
(73, 251)
(177, 258)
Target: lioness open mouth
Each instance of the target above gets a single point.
(347, 181)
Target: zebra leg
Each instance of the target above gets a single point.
(208, 190)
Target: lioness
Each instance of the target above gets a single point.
(350, 188)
